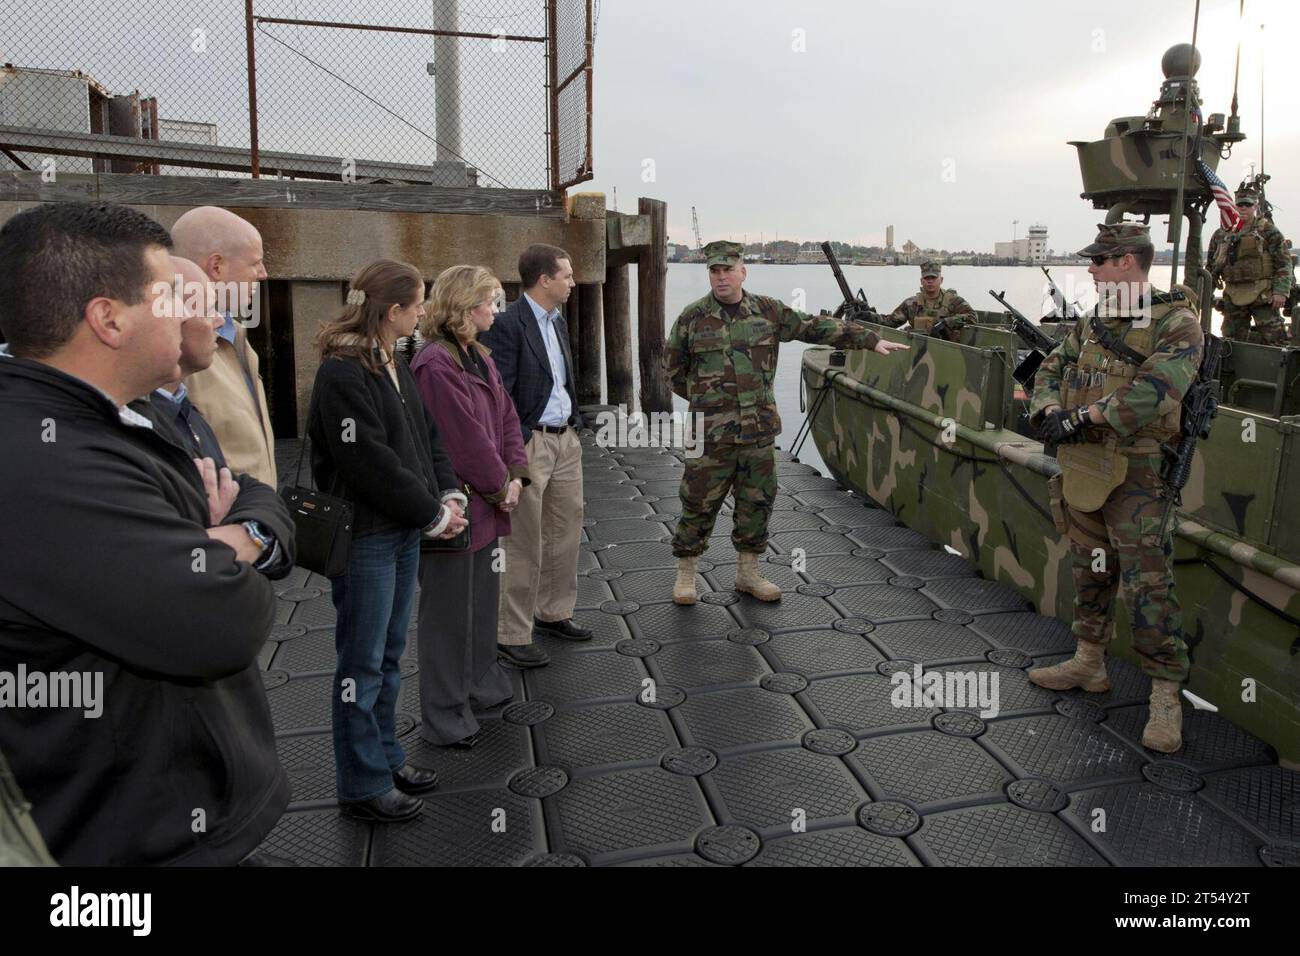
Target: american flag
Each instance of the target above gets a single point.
(1229, 218)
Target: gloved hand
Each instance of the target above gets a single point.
(1061, 427)
(940, 329)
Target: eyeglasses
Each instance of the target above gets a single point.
(1101, 260)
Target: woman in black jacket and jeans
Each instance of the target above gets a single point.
(374, 444)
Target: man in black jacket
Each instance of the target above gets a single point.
(123, 567)
(530, 346)
(175, 417)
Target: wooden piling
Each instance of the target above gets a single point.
(619, 383)
(652, 293)
(589, 322)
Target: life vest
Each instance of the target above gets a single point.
(1248, 273)
(1093, 468)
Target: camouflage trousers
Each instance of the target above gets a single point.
(1117, 548)
(1270, 329)
(749, 472)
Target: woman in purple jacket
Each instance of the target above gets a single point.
(476, 419)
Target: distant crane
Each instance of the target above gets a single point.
(695, 224)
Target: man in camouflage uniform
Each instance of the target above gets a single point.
(1109, 394)
(721, 357)
(934, 311)
(1253, 264)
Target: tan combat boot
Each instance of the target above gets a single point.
(1164, 729)
(750, 579)
(1087, 669)
(684, 587)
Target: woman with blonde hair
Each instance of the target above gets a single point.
(374, 445)
(462, 390)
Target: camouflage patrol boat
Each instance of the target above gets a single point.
(937, 435)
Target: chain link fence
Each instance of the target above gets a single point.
(451, 92)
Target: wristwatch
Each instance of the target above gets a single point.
(264, 540)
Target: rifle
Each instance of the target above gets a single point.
(1067, 311)
(1031, 335)
(1200, 406)
(853, 307)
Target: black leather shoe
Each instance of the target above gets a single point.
(467, 743)
(415, 780)
(565, 630)
(391, 807)
(523, 655)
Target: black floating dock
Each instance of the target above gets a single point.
(771, 739)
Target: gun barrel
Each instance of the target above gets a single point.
(839, 273)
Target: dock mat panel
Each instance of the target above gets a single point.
(313, 652)
(1004, 835)
(646, 587)
(838, 847)
(884, 602)
(891, 538)
(735, 718)
(1016, 693)
(639, 555)
(308, 760)
(319, 838)
(1148, 826)
(1210, 742)
(586, 675)
(930, 767)
(592, 593)
(603, 509)
(456, 829)
(627, 529)
(503, 749)
(667, 622)
(975, 595)
(604, 734)
(810, 542)
(828, 498)
(823, 652)
(318, 612)
(799, 483)
(795, 521)
(702, 663)
(682, 859)
(1266, 797)
(846, 570)
(1026, 631)
(762, 790)
(929, 641)
(928, 564)
(862, 703)
(857, 516)
(301, 703)
(614, 812)
(793, 610)
(1068, 752)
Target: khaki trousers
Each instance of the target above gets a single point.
(541, 552)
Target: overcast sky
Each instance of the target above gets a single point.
(857, 131)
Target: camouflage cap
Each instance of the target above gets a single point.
(1247, 197)
(931, 267)
(1117, 238)
(723, 253)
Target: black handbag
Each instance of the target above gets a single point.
(458, 543)
(322, 523)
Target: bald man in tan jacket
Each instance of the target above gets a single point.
(229, 393)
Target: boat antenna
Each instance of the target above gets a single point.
(1176, 214)
(1261, 99)
(1236, 69)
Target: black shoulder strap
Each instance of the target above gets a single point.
(1111, 343)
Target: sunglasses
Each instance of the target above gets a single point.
(1101, 260)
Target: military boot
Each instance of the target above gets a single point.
(1087, 669)
(684, 587)
(1164, 729)
(750, 579)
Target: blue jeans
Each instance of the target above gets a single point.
(373, 598)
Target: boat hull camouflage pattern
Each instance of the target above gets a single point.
(931, 434)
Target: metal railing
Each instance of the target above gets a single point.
(449, 92)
